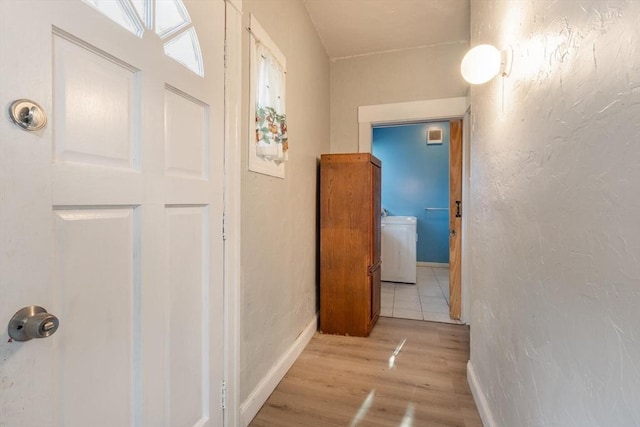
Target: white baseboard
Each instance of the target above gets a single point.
(432, 264)
(250, 407)
(478, 395)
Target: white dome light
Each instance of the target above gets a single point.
(481, 64)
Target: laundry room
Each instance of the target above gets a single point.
(415, 182)
(415, 219)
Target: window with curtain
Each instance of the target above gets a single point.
(271, 120)
(268, 149)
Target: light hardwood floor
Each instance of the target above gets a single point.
(349, 381)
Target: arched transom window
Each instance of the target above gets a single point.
(168, 18)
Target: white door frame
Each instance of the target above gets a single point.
(428, 110)
(233, 126)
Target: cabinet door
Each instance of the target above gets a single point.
(377, 212)
(374, 281)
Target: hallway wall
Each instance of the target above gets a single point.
(409, 75)
(278, 296)
(555, 208)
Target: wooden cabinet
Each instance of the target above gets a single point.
(349, 243)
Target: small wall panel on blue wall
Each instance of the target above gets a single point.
(416, 176)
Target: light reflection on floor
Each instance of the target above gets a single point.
(392, 359)
(407, 421)
(364, 408)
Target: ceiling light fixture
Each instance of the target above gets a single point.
(484, 62)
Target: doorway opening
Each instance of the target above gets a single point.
(416, 216)
(429, 298)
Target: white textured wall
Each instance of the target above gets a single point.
(402, 76)
(555, 190)
(279, 216)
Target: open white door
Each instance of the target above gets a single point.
(111, 216)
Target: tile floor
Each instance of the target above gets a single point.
(426, 300)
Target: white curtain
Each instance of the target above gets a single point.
(272, 141)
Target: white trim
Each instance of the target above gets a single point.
(431, 109)
(263, 390)
(443, 108)
(232, 148)
(432, 264)
(465, 273)
(478, 395)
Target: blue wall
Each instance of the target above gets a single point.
(416, 176)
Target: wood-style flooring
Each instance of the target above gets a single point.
(349, 381)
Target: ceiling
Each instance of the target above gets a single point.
(359, 27)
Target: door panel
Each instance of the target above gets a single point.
(186, 135)
(111, 219)
(97, 106)
(455, 221)
(188, 263)
(96, 288)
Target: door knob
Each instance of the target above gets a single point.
(32, 322)
(27, 114)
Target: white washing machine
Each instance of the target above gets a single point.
(399, 237)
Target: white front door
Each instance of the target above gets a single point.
(111, 216)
